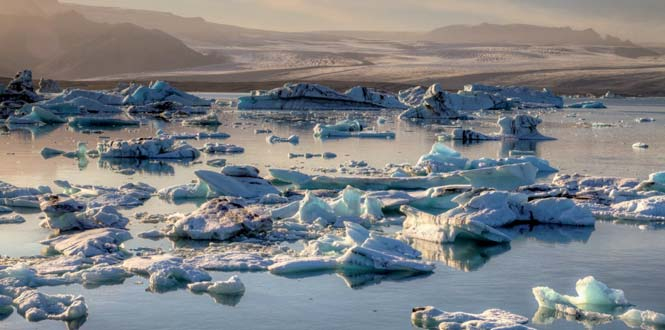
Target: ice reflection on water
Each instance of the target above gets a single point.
(469, 277)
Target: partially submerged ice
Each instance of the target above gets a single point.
(220, 219)
(305, 96)
(424, 226)
(594, 304)
(525, 97)
(587, 105)
(147, 148)
(436, 104)
(159, 91)
(165, 272)
(492, 319)
(232, 286)
(89, 243)
(589, 292)
(36, 306)
(349, 128)
(351, 205)
(68, 214)
(521, 127)
(235, 181)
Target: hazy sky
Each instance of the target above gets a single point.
(639, 20)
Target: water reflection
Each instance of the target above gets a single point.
(29, 132)
(593, 316)
(142, 166)
(223, 299)
(464, 255)
(469, 255)
(359, 279)
(549, 233)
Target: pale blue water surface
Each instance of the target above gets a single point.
(467, 277)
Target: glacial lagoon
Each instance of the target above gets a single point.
(469, 276)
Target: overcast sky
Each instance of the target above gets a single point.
(638, 20)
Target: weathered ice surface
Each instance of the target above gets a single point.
(439, 229)
(36, 306)
(159, 91)
(147, 148)
(304, 96)
(521, 127)
(220, 219)
(523, 96)
(48, 86)
(439, 104)
(165, 272)
(492, 319)
(89, 243)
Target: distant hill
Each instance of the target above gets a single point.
(520, 34)
(67, 45)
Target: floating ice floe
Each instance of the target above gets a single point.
(587, 105)
(232, 261)
(235, 181)
(11, 219)
(159, 91)
(166, 272)
(36, 306)
(147, 148)
(232, 286)
(479, 214)
(293, 139)
(521, 127)
(50, 152)
(349, 128)
(645, 120)
(35, 115)
(492, 319)
(221, 148)
(427, 227)
(13, 196)
(219, 219)
(90, 242)
(128, 195)
(307, 155)
(77, 102)
(595, 303)
(350, 205)
(640, 145)
(305, 96)
(68, 214)
(524, 97)
(645, 209)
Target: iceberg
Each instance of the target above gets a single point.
(207, 120)
(350, 205)
(74, 103)
(232, 286)
(305, 96)
(272, 139)
(159, 91)
(349, 128)
(521, 127)
(235, 181)
(492, 319)
(36, 115)
(219, 219)
(36, 306)
(89, 243)
(20, 89)
(526, 97)
(438, 104)
(166, 272)
(590, 292)
(220, 148)
(587, 105)
(440, 229)
(412, 96)
(68, 214)
(646, 209)
(11, 219)
(147, 148)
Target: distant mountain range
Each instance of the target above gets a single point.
(70, 41)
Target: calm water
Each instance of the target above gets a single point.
(467, 278)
